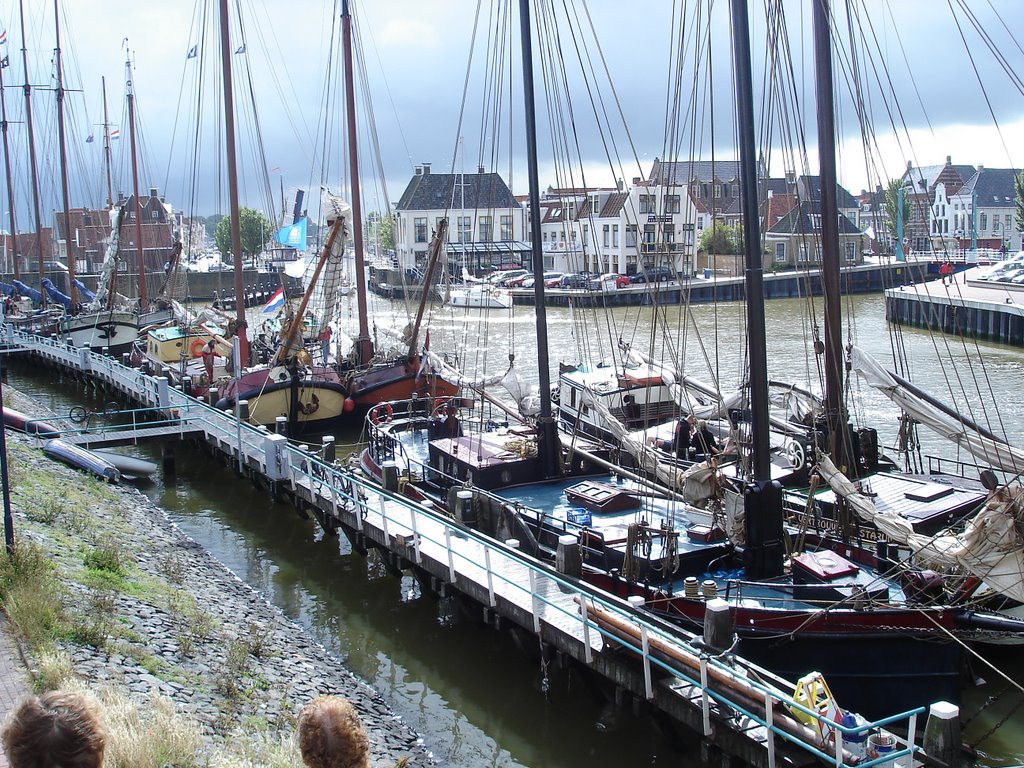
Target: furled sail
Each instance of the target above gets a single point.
(109, 267)
(991, 546)
(986, 448)
(325, 293)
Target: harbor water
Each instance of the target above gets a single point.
(478, 697)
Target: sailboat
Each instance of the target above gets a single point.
(316, 395)
(799, 603)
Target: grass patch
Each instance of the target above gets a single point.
(31, 594)
(111, 558)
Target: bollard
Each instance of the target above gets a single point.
(212, 393)
(126, 359)
(942, 737)
(568, 559)
(243, 410)
(465, 512)
(512, 543)
(281, 425)
(718, 630)
(186, 383)
(328, 452)
(389, 471)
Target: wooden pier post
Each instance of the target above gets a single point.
(464, 511)
(718, 629)
(329, 450)
(942, 737)
(212, 395)
(389, 471)
(281, 425)
(568, 559)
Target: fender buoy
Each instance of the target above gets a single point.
(382, 414)
(349, 405)
(197, 348)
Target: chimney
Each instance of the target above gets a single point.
(479, 169)
(152, 192)
(949, 159)
(426, 169)
(981, 168)
(636, 181)
(790, 177)
(910, 164)
(419, 170)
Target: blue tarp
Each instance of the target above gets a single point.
(26, 290)
(7, 289)
(55, 295)
(84, 294)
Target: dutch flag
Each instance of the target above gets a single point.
(276, 301)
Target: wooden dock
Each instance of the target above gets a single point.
(511, 590)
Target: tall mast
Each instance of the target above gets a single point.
(32, 151)
(364, 347)
(7, 169)
(762, 498)
(229, 144)
(62, 139)
(106, 145)
(547, 431)
(838, 434)
(130, 88)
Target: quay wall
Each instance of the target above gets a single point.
(986, 320)
(868, 278)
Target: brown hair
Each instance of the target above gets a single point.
(331, 735)
(56, 729)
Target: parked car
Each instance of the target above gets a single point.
(576, 279)
(502, 276)
(549, 278)
(653, 275)
(609, 281)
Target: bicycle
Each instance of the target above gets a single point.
(82, 415)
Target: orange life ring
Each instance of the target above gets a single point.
(382, 414)
(441, 407)
(197, 348)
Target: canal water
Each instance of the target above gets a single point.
(477, 697)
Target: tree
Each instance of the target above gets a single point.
(720, 238)
(381, 230)
(891, 198)
(255, 230)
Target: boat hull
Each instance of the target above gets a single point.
(115, 331)
(24, 423)
(80, 458)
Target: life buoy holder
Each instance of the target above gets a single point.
(795, 453)
(382, 414)
(441, 408)
(197, 348)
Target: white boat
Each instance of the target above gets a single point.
(481, 295)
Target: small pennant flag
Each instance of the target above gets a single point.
(115, 134)
(90, 139)
(5, 60)
(240, 49)
(192, 52)
(276, 302)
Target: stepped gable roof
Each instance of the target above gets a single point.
(440, 191)
(799, 222)
(810, 189)
(993, 187)
(667, 172)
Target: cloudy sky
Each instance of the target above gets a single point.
(925, 96)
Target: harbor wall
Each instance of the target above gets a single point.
(998, 321)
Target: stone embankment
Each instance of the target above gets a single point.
(156, 616)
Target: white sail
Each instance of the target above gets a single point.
(325, 295)
(109, 266)
(992, 452)
(990, 547)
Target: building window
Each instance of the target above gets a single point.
(983, 222)
(631, 235)
(465, 229)
(586, 235)
(1009, 222)
(649, 235)
(802, 253)
(420, 225)
(851, 251)
(154, 215)
(718, 191)
(647, 204)
(606, 229)
(672, 204)
(506, 227)
(486, 229)
(615, 235)
(780, 252)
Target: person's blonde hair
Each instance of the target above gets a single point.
(59, 728)
(331, 735)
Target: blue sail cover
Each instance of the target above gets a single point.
(55, 295)
(7, 289)
(26, 290)
(84, 294)
(294, 235)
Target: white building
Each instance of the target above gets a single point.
(485, 221)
